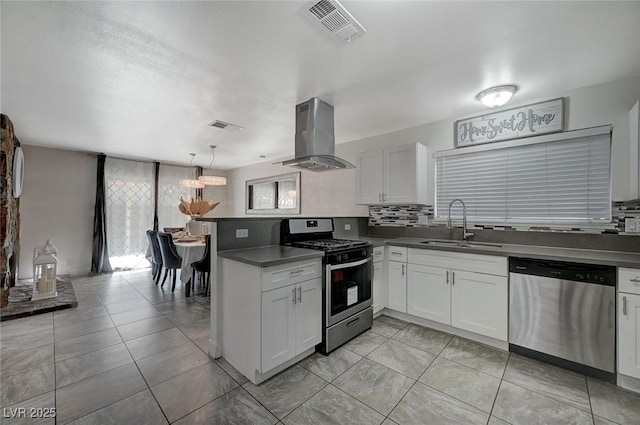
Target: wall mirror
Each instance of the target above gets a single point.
(273, 195)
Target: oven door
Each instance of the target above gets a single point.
(348, 289)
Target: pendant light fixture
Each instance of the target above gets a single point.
(212, 180)
(495, 97)
(191, 183)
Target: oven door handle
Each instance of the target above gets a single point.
(347, 265)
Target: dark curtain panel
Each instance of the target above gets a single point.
(198, 191)
(156, 173)
(100, 257)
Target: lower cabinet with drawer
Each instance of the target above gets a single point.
(629, 322)
(379, 280)
(448, 288)
(271, 316)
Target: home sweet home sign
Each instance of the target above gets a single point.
(530, 120)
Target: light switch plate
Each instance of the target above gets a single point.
(242, 233)
(347, 227)
(632, 225)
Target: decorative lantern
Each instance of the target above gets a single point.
(45, 266)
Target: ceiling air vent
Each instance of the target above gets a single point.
(226, 126)
(335, 18)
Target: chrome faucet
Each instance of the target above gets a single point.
(465, 234)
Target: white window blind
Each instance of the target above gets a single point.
(558, 178)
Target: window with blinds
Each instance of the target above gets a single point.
(559, 178)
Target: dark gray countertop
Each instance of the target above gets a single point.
(266, 256)
(612, 258)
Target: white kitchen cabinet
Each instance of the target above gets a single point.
(446, 287)
(379, 280)
(629, 322)
(271, 316)
(395, 175)
(397, 278)
(428, 293)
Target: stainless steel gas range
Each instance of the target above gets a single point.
(347, 277)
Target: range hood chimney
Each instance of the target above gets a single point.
(315, 141)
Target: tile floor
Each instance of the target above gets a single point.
(133, 353)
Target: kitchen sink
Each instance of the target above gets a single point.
(461, 244)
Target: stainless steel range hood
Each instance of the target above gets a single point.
(315, 141)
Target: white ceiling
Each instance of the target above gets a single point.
(143, 79)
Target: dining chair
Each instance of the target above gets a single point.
(203, 267)
(156, 255)
(170, 258)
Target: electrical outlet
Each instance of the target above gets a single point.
(242, 233)
(632, 225)
(347, 227)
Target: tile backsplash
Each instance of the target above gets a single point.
(400, 215)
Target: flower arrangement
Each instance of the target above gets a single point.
(196, 208)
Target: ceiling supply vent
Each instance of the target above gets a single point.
(226, 126)
(335, 18)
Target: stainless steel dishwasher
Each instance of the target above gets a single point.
(564, 313)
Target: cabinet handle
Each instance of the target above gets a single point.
(295, 272)
(395, 253)
(294, 296)
(447, 277)
(379, 197)
(403, 270)
(635, 281)
(453, 278)
(384, 197)
(624, 306)
(300, 294)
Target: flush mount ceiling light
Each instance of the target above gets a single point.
(212, 180)
(495, 97)
(191, 183)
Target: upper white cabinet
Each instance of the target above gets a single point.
(395, 175)
(629, 322)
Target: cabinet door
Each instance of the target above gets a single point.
(379, 287)
(278, 326)
(629, 335)
(428, 293)
(369, 177)
(479, 303)
(399, 184)
(308, 314)
(397, 286)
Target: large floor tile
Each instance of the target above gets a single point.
(476, 356)
(170, 363)
(557, 383)
(12, 415)
(127, 305)
(139, 409)
(424, 405)
(26, 341)
(94, 363)
(286, 391)
(190, 314)
(25, 384)
(134, 315)
(331, 366)
(27, 325)
(144, 327)
(133, 295)
(333, 407)
(231, 371)
(365, 343)
(520, 406)
(387, 325)
(83, 397)
(235, 407)
(614, 403)
(198, 329)
(24, 359)
(78, 314)
(86, 343)
(423, 338)
(156, 343)
(402, 358)
(158, 296)
(463, 383)
(185, 393)
(72, 330)
(375, 385)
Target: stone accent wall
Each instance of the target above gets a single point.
(9, 206)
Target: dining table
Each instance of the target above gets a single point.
(189, 251)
